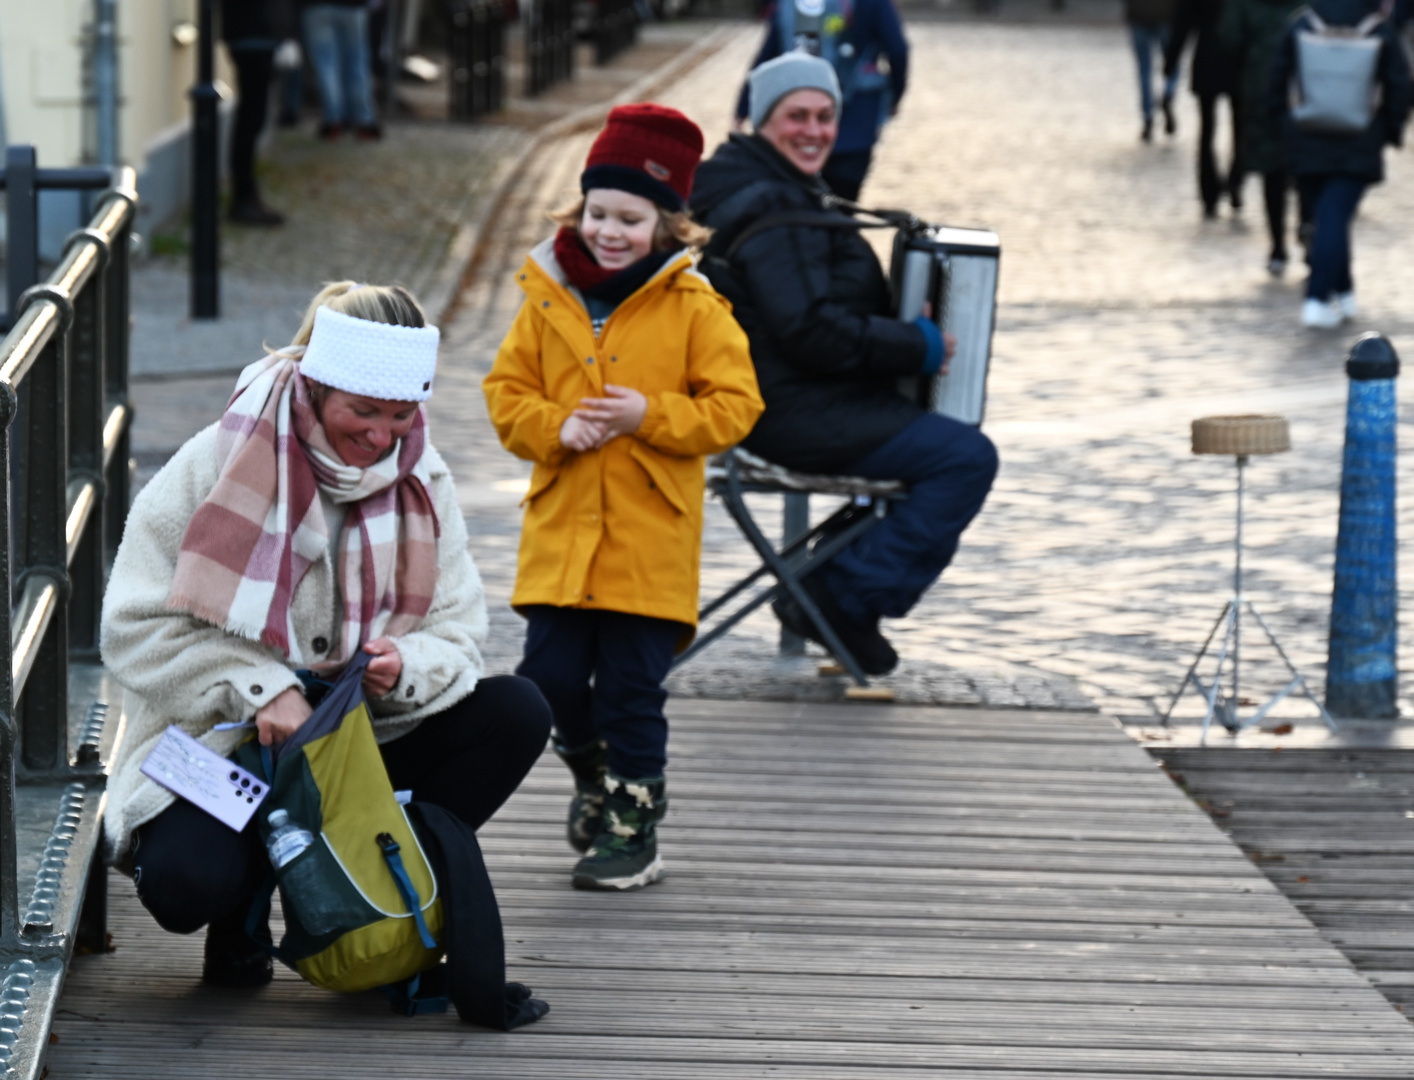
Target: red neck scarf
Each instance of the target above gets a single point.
(574, 259)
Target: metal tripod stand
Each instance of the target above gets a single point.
(1225, 709)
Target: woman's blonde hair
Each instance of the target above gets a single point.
(390, 304)
(675, 228)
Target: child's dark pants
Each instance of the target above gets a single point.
(628, 657)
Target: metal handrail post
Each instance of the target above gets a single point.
(118, 327)
(87, 415)
(9, 732)
(44, 711)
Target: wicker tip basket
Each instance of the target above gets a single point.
(1241, 435)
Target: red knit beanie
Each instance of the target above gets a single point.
(648, 150)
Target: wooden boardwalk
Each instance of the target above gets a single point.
(854, 892)
(1331, 827)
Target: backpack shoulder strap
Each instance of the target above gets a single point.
(1369, 22)
(472, 934)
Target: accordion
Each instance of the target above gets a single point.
(954, 272)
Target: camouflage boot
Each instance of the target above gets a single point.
(625, 854)
(587, 764)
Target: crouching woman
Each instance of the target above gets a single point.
(313, 520)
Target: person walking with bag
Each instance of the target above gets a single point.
(622, 371)
(313, 521)
(1251, 31)
(1342, 103)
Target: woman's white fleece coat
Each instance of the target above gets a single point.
(180, 670)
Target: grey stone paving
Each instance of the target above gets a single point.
(1104, 552)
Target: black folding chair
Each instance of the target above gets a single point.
(731, 476)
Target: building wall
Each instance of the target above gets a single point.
(42, 56)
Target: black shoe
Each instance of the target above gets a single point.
(255, 212)
(233, 960)
(873, 651)
(1210, 212)
(330, 132)
(1147, 134)
(368, 133)
(1170, 121)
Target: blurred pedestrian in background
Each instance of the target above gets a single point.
(1251, 30)
(336, 34)
(1215, 74)
(863, 41)
(1333, 168)
(289, 78)
(1149, 22)
(252, 30)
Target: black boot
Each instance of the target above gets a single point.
(873, 651)
(587, 764)
(625, 853)
(232, 959)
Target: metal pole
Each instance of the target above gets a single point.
(21, 224)
(797, 521)
(205, 233)
(105, 78)
(1237, 594)
(1362, 674)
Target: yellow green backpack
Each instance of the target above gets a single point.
(361, 903)
(378, 891)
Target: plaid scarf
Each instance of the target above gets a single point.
(251, 540)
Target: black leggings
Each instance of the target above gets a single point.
(192, 870)
(254, 69)
(1274, 185)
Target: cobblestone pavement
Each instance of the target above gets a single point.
(1104, 552)
(404, 209)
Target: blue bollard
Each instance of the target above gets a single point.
(1362, 679)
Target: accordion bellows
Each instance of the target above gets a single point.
(372, 359)
(1241, 435)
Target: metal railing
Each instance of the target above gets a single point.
(549, 43)
(615, 28)
(67, 353)
(478, 65)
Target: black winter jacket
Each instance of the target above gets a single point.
(1215, 69)
(268, 21)
(815, 305)
(1360, 156)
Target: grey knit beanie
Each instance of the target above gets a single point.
(792, 71)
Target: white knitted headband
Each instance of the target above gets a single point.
(371, 359)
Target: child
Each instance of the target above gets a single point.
(622, 371)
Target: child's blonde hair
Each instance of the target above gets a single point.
(675, 228)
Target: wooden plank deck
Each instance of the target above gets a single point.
(853, 892)
(1331, 828)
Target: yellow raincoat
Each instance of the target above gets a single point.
(620, 528)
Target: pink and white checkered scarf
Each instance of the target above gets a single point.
(250, 542)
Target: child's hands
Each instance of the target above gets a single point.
(621, 413)
(579, 434)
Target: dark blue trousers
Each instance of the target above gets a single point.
(602, 673)
(949, 467)
(1333, 201)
